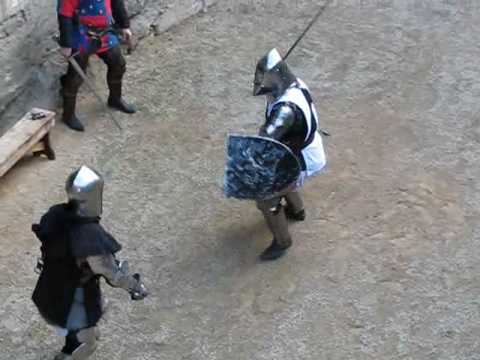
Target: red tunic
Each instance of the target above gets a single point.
(77, 17)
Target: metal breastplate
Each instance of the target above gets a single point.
(295, 136)
(302, 132)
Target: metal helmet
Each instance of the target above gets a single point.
(84, 187)
(272, 75)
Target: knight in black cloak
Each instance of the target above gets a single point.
(76, 253)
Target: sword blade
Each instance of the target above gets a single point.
(317, 16)
(91, 87)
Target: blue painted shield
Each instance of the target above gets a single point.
(258, 168)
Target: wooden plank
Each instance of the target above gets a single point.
(22, 137)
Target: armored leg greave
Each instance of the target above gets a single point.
(277, 222)
(71, 343)
(294, 209)
(80, 345)
(88, 339)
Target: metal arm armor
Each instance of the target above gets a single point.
(279, 123)
(117, 275)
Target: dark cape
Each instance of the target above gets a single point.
(66, 237)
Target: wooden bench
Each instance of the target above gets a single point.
(29, 135)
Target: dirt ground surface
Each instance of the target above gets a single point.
(385, 266)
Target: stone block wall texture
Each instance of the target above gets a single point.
(9, 7)
(29, 60)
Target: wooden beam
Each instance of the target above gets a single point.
(23, 137)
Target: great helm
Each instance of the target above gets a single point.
(84, 188)
(272, 75)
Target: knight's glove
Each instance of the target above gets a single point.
(140, 291)
(117, 274)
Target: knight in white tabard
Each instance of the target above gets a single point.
(291, 118)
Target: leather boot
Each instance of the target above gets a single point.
(62, 84)
(69, 117)
(115, 99)
(274, 251)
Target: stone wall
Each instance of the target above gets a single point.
(29, 62)
(9, 7)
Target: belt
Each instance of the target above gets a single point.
(98, 33)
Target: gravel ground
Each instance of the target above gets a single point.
(386, 265)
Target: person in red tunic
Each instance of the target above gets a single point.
(86, 28)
